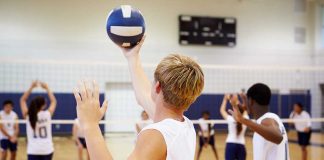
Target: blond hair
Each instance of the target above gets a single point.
(181, 80)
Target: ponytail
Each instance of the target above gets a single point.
(34, 107)
(239, 126)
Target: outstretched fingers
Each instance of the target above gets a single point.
(103, 108)
(77, 96)
(95, 93)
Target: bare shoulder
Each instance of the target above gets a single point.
(150, 145)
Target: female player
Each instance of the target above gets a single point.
(79, 139)
(38, 125)
(235, 141)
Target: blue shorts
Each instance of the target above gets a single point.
(83, 142)
(235, 151)
(304, 138)
(40, 157)
(7, 145)
(203, 139)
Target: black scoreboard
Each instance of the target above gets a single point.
(195, 30)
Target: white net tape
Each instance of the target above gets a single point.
(127, 121)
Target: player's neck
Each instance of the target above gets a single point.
(260, 111)
(165, 112)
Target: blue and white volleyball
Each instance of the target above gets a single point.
(125, 26)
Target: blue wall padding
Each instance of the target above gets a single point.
(280, 104)
(65, 109)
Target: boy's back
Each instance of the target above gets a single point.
(266, 150)
(180, 137)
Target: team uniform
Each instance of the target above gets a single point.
(9, 127)
(180, 138)
(204, 133)
(80, 134)
(39, 141)
(303, 137)
(266, 150)
(235, 144)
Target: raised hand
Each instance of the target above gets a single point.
(235, 111)
(44, 85)
(89, 111)
(34, 84)
(131, 52)
(244, 101)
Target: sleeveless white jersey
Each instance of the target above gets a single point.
(9, 127)
(180, 138)
(232, 136)
(266, 150)
(39, 141)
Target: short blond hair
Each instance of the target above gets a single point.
(181, 80)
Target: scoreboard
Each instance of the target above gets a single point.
(209, 31)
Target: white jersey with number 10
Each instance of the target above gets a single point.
(40, 140)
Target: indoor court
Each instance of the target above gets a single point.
(48, 47)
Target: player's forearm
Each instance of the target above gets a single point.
(51, 97)
(26, 94)
(96, 144)
(266, 132)
(142, 85)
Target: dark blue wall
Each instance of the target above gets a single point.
(280, 104)
(65, 109)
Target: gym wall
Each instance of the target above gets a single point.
(75, 30)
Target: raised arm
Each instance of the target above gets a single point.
(222, 109)
(24, 97)
(89, 114)
(141, 84)
(51, 97)
(269, 128)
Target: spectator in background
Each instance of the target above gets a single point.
(303, 128)
(145, 120)
(9, 131)
(206, 134)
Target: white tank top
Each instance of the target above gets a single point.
(266, 150)
(39, 142)
(180, 138)
(9, 127)
(80, 134)
(232, 136)
(205, 128)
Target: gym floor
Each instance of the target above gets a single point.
(121, 145)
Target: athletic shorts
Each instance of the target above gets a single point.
(203, 139)
(304, 138)
(83, 143)
(235, 151)
(40, 157)
(7, 145)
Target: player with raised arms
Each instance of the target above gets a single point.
(178, 81)
(235, 141)
(38, 125)
(270, 140)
